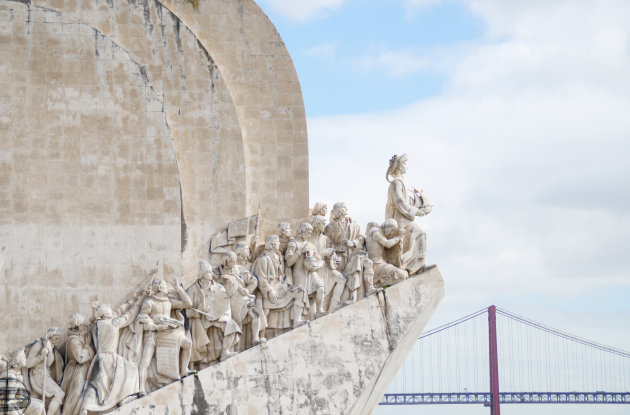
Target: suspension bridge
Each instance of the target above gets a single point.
(493, 357)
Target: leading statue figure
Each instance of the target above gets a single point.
(404, 203)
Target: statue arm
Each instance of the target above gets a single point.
(190, 313)
(399, 197)
(387, 243)
(230, 286)
(128, 317)
(82, 354)
(36, 355)
(260, 270)
(251, 283)
(184, 300)
(292, 255)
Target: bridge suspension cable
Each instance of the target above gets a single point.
(535, 364)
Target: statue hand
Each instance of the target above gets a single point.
(425, 210)
(273, 297)
(243, 291)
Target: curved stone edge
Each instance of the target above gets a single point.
(341, 363)
(266, 91)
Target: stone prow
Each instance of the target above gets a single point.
(341, 363)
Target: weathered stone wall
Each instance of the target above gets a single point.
(90, 189)
(122, 143)
(341, 363)
(266, 91)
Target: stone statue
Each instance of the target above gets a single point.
(349, 244)
(378, 240)
(243, 303)
(79, 354)
(333, 279)
(319, 209)
(284, 233)
(214, 333)
(13, 368)
(302, 257)
(404, 203)
(276, 291)
(164, 336)
(244, 266)
(111, 378)
(45, 370)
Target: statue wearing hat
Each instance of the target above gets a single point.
(404, 203)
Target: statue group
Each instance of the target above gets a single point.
(161, 333)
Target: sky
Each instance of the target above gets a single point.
(516, 119)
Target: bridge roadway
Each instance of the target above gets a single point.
(485, 398)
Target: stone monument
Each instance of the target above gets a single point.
(172, 132)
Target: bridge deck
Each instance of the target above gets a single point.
(507, 397)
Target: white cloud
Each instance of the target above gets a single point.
(524, 154)
(304, 10)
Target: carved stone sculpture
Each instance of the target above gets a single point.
(346, 239)
(277, 292)
(284, 233)
(380, 239)
(214, 333)
(13, 367)
(303, 259)
(111, 377)
(319, 209)
(45, 370)
(164, 336)
(334, 281)
(404, 204)
(243, 303)
(79, 354)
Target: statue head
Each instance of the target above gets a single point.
(53, 335)
(205, 270)
(370, 226)
(17, 359)
(75, 320)
(397, 166)
(242, 251)
(284, 229)
(206, 274)
(304, 230)
(339, 211)
(319, 223)
(272, 242)
(390, 227)
(229, 260)
(320, 209)
(158, 285)
(104, 311)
